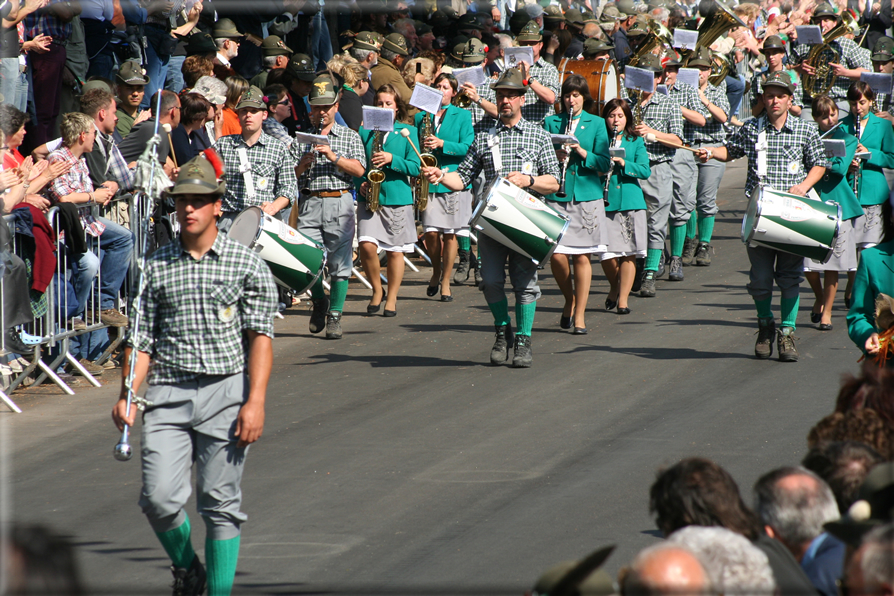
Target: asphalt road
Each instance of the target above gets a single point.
(399, 461)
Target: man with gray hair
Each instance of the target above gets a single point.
(407, 28)
(871, 568)
(734, 565)
(665, 568)
(793, 503)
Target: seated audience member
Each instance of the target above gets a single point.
(794, 504)
(734, 565)
(105, 162)
(278, 109)
(12, 124)
(698, 492)
(864, 411)
(844, 466)
(116, 242)
(665, 569)
(138, 139)
(189, 137)
(132, 81)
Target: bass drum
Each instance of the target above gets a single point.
(602, 77)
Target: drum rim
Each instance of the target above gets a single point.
(260, 227)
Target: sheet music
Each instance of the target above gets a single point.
(378, 119)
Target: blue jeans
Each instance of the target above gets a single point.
(115, 250)
(735, 90)
(156, 64)
(320, 45)
(175, 74)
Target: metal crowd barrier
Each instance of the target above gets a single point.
(55, 329)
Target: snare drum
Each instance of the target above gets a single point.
(803, 226)
(295, 260)
(519, 221)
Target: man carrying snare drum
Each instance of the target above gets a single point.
(795, 161)
(514, 149)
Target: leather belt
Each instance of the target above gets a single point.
(327, 193)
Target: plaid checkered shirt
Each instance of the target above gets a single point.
(194, 312)
(713, 132)
(117, 167)
(272, 171)
(277, 131)
(757, 82)
(663, 114)
(791, 151)
(686, 96)
(77, 179)
(524, 148)
(547, 75)
(323, 175)
(851, 57)
(485, 93)
(42, 22)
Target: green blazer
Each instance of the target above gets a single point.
(875, 275)
(624, 193)
(834, 185)
(878, 137)
(581, 177)
(396, 190)
(457, 133)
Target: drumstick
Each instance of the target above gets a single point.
(406, 134)
(651, 138)
(167, 128)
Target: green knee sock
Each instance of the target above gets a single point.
(678, 237)
(692, 225)
(789, 307)
(524, 318)
(338, 291)
(705, 229)
(653, 256)
(764, 311)
(501, 312)
(465, 243)
(222, 556)
(316, 291)
(177, 544)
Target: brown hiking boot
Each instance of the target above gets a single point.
(766, 330)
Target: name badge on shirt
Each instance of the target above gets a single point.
(527, 168)
(794, 167)
(262, 183)
(227, 313)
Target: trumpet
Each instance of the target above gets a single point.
(375, 176)
(616, 142)
(461, 99)
(568, 129)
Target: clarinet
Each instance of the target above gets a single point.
(616, 141)
(858, 172)
(568, 129)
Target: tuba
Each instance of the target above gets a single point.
(421, 182)
(659, 38)
(716, 26)
(823, 54)
(375, 176)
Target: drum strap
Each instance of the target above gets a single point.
(761, 147)
(493, 142)
(245, 168)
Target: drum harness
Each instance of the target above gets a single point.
(245, 169)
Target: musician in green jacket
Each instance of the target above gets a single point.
(391, 226)
(626, 228)
(580, 200)
(833, 187)
(875, 275)
(448, 213)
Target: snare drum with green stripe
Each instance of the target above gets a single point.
(801, 226)
(295, 260)
(519, 221)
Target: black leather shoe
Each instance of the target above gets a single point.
(15, 344)
(623, 310)
(579, 331)
(499, 354)
(610, 304)
(372, 309)
(815, 317)
(565, 322)
(389, 313)
(430, 291)
(447, 298)
(825, 327)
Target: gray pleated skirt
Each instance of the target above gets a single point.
(390, 228)
(447, 212)
(844, 255)
(627, 233)
(586, 231)
(868, 227)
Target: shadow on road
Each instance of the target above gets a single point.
(663, 353)
(388, 361)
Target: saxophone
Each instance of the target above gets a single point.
(421, 183)
(375, 176)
